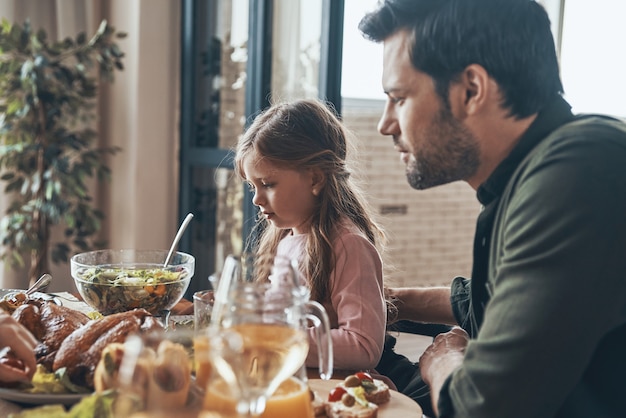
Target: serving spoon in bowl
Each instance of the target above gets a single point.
(17, 298)
(179, 234)
(41, 284)
(165, 313)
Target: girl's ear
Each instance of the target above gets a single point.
(318, 180)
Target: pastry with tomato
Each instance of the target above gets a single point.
(319, 404)
(358, 396)
(349, 403)
(375, 390)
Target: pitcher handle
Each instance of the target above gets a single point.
(318, 316)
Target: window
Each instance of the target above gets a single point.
(236, 55)
(593, 56)
(362, 59)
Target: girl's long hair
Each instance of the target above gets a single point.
(301, 135)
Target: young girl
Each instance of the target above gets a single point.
(293, 156)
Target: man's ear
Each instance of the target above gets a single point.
(318, 180)
(471, 89)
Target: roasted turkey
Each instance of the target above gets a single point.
(50, 324)
(80, 352)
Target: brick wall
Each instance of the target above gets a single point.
(430, 231)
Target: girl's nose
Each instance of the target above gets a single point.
(256, 198)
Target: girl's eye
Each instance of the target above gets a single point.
(268, 185)
(250, 187)
(396, 100)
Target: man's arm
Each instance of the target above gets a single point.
(557, 289)
(430, 304)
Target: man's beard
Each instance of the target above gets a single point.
(452, 154)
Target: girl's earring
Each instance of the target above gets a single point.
(315, 192)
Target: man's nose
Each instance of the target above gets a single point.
(387, 125)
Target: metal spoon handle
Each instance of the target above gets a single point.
(41, 283)
(179, 234)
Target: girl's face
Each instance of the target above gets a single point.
(287, 198)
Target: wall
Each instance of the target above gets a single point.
(430, 231)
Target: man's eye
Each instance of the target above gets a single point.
(396, 100)
(250, 187)
(268, 185)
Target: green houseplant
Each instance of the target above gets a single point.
(48, 149)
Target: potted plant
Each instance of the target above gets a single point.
(48, 149)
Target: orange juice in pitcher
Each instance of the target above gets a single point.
(291, 399)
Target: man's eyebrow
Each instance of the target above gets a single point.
(392, 90)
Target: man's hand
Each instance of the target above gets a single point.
(441, 358)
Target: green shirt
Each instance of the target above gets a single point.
(546, 306)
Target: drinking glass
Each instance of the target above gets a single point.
(156, 373)
(258, 331)
(202, 308)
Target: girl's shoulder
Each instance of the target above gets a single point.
(346, 233)
(352, 247)
(346, 227)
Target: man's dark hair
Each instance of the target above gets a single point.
(511, 39)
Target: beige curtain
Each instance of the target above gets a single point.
(138, 112)
(60, 18)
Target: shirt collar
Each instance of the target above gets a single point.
(555, 114)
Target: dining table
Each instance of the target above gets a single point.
(7, 408)
(12, 403)
(398, 406)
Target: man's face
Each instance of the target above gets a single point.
(435, 146)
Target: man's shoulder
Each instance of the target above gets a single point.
(584, 126)
(585, 135)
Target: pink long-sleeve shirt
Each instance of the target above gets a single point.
(357, 310)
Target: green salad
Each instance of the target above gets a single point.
(119, 289)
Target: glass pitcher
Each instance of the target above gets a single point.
(259, 336)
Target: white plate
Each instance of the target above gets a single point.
(36, 295)
(18, 396)
(398, 406)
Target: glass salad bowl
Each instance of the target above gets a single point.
(112, 281)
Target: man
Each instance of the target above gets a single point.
(474, 94)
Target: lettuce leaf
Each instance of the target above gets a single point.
(98, 405)
(64, 379)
